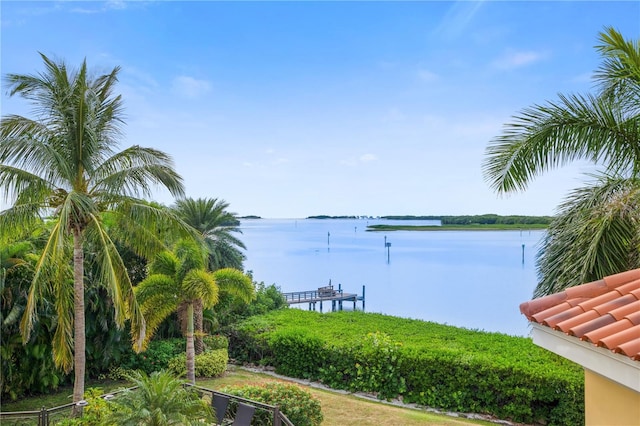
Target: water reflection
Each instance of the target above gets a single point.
(472, 279)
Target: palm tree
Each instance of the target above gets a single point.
(178, 278)
(159, 400)
(216, 225)
(210, 217)
(603, 128)
(63, 164)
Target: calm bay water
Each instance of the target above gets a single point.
(471, 279)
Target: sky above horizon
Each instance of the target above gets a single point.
(291, 109)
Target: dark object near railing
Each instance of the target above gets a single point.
(326, 291)
(226, 402)
(244, 414)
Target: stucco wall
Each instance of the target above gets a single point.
(608, 403)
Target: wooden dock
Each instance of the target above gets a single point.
(325, 294)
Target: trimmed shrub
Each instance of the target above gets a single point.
(208, 364)
(425, 363)
(297, 404)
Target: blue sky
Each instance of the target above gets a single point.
(291, 109)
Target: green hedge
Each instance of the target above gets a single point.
(425, 363)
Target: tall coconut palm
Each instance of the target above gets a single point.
(64, 164)
(177, 278)
(603, 128)
(211, 218)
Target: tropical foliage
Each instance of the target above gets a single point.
(64, 164)
(180, 277)
(596, 232)
(159, 400)
(216, 225)
(212, 220)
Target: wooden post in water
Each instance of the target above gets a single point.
(523, 254)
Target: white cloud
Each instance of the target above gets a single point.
(368, 157)
(426, 75)
(517, 59)
(101, 7)
(458, 18)
(394, 114)
(190, 87)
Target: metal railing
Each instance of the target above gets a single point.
(279, 418)
(47, 416)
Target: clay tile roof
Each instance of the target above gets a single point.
(604, 312)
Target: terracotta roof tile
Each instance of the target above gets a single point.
(630, 348)
(621, 305)
(577, 320)
(615, 340)
(625, 310)
(622, 278)
(596, 336)
(581, 329)
(604, 312)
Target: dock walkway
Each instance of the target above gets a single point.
(325, 294)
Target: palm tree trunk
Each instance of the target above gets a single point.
(191, 370)
(197, 326)
(78, 323)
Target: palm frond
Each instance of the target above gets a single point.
(165, 263)
(594, 235)
(113, 276)
(145, 227)
(619, 73)
(200, 284)
(235, 283)
(545, 137)
(133, 171)
(63, 337)
(158, 296)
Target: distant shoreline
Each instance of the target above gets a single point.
(470, 227)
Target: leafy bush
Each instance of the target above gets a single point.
(216, 341)
(247, 341)
(208, 364)
(155, 358)
(229, 310)
(424, 363)
(94, 413)
(296, 403)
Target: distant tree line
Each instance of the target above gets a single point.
(484, 219)
(324, 216)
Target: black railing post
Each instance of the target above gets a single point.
(276, 416)
(43, 417)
